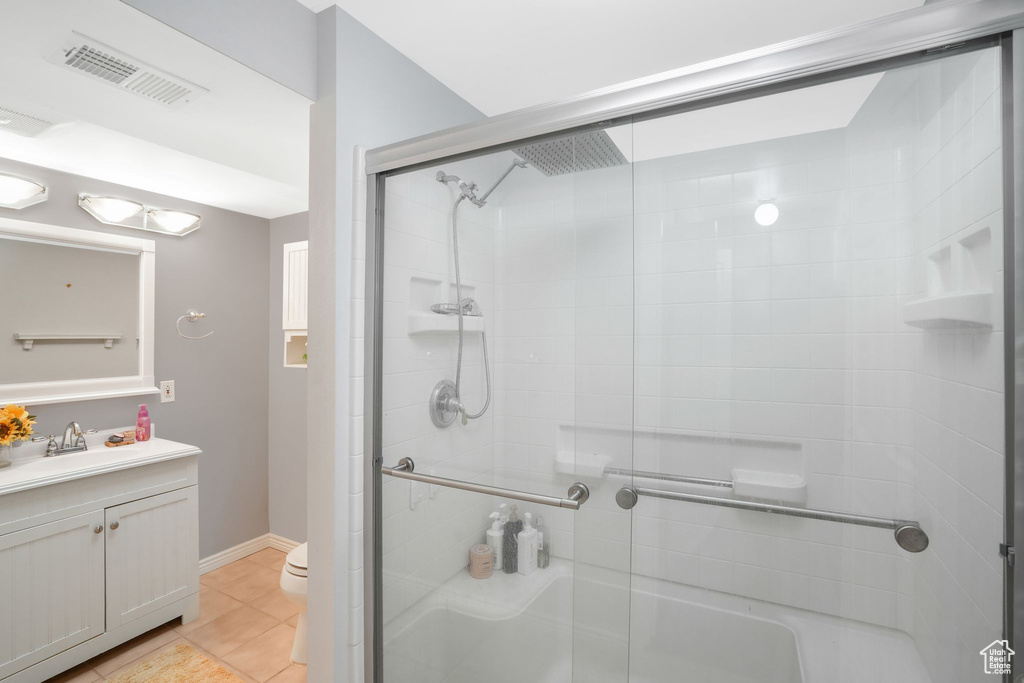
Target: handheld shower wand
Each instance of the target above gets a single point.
(446, 399)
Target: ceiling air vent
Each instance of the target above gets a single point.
(102, 62)
(22, 124)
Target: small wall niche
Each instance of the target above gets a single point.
(295, 348)
(959, 284)
(425, 292)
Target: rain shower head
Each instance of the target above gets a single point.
(581, 152)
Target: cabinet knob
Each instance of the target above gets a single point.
(114, 525)
(98, 529)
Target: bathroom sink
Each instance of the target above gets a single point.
(74, 460)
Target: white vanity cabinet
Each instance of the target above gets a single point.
(95, 549)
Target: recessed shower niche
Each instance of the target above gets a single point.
(425, 292)
(959, 274)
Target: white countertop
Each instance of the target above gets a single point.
(34, 470)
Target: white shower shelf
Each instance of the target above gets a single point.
(27, 340)
(436, 323)
(955, 310)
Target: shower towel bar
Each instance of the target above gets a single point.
(682, 478)
(578, 492)
(909, 535)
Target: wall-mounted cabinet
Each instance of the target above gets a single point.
(295, 294)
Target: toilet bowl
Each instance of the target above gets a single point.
(293, 584)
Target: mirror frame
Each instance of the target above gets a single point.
(62, 391)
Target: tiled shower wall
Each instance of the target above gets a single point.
(950, 385)
(427, 531)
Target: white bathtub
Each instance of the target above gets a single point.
(554, 627)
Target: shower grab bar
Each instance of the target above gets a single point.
(682, 478)
(578, 492)
(909, 534)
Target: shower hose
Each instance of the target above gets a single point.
(483, 335)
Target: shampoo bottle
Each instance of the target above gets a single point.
(496, 538)
(543, 553)
(142, 427)
(510, 553)
(527, 548)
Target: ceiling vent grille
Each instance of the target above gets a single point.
(102, 62)
(22, 124)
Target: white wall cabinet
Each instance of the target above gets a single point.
(91, 562)
(295, 296)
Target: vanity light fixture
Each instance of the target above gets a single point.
(17, 192)
(110, 210)
(176, 222)
(129, 214)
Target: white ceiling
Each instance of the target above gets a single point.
(506, 56)
(243, 146)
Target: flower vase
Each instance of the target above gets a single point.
(5, 455)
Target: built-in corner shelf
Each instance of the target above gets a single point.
(967, 309)
(438, 323)
(27, 340)
(959, 284)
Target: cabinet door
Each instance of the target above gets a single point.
(295, 288)
(51, 589)
(152, 554)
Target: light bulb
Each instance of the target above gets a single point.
(766, 213)
(173, 221)
(14, 190)
(112, 210)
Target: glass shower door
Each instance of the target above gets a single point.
(819, 383)
(543, 269)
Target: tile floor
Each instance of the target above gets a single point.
(245, 624)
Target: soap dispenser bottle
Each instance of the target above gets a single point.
(527, 541)
(543, 552)
(142, 426)
(496, 537)
(510, 553)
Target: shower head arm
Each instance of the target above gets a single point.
(517, 163)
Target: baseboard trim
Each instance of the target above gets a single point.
(218, 560)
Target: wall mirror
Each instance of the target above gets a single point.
(79, 319)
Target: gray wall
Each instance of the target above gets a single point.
(286, 426)
(276, 38)
(221, 381)
(369, 95)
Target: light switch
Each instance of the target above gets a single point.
(167, 391)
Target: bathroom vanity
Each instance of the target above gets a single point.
(96, 548)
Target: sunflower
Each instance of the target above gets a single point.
(15, 424)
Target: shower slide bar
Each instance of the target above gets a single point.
(909, 535)
(577, 495)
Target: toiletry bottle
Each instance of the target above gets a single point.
(510, 553)
(496, 537)
(543, 554)
(142, 426)
(527, 547)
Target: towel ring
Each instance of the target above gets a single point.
(191, 315)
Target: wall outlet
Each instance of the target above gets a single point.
(167, 391)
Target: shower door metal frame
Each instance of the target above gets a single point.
(913, 36)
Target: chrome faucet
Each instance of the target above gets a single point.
(73, 440)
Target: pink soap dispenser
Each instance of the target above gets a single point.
(142, 424)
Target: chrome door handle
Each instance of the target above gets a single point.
(98, 529)
(114, 525)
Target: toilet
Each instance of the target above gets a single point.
(293, 583)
